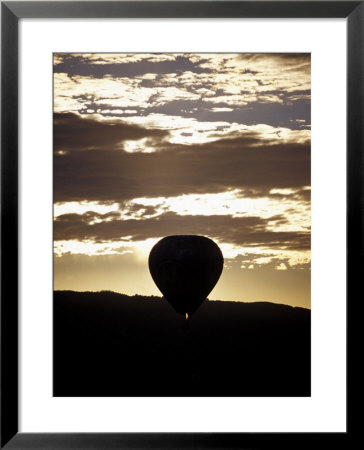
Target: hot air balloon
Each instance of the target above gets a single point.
(185, 269)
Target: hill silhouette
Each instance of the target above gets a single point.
(109, 344)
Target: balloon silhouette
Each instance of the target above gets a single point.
(185, 269)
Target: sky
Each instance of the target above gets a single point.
(151, 145)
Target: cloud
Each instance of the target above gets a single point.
(274, 86)
(99, 173)
(72, 132)
(275, 109)
(125, 65)
(243, 231)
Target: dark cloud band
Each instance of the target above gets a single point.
(243, 231)
(93, 166)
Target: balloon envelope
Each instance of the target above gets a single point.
(185, 269)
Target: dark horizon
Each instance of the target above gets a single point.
(160, 297)
(108, 344)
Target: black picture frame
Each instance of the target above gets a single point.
(11, 12)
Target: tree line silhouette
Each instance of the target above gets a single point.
(109, 344)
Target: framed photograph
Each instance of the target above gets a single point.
(181, 216)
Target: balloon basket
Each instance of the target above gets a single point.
(186, 325)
